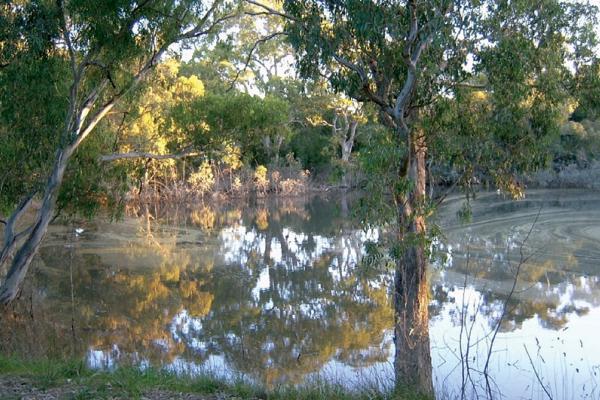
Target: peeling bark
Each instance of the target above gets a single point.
(346, 134)
(412, 363)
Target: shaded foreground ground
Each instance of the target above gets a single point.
(12, 387)
(50, 380)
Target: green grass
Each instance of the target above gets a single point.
(129, 382)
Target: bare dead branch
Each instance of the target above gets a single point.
(138, 154)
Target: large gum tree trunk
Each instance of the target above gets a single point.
(24, 255)
(412, 363)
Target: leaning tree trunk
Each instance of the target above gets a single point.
(80, 122)
(411, 291)
(24, 255)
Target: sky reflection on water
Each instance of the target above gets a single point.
(272, 292)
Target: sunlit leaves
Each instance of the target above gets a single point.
(244, 119)
(55, 54)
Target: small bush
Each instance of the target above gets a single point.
(261, 180)
(202, 181)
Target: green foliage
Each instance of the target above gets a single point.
(312, 146)
(261, 180)
(244, 119)
(588, 86)
(202, 180)
(56, 53)
(380, 161)
(497, 130)
(31, 103)
(489, 121)
(83, 192)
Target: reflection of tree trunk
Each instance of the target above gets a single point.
(345, 210)
(411, 295)
(268, 239)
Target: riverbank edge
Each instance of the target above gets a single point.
(72, 379)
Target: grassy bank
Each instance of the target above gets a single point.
(48, 379)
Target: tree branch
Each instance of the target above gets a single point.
(354, 67)
(199, 29)
(138, 154)
(272, 11)
(67, 38)
(249, 57)
(103, 68)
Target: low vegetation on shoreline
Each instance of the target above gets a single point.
(72, 379)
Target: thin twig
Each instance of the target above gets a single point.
(522, 261)
(539, 379)
(249, 57)
(462, 327)
(272, 11)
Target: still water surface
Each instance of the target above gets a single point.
(273, 292)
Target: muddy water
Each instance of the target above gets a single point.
(273, 291)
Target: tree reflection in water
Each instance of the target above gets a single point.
(272, 291)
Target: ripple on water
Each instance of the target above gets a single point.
(275, 294)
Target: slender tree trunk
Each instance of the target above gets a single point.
(347, 134)
(411, 295)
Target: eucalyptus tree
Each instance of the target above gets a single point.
(99, 52)
(417, 61)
